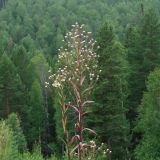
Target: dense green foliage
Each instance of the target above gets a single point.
(11, 87)
(143, 44)
(8, 146)
(143, 53)
(126, 109)
(148, 122)
(110, 94)
(14, 124)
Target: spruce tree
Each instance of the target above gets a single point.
(36, 113)
(143, 46)
(20, 59)
(110, 94)
(38, 69)
(150, 42)
(8, 146)
(14, 124)
(148, 120)
(149, 48)
(11, 88)
(135, 59)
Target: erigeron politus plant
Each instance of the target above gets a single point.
(74, 80)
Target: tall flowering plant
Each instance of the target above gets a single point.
(75, 78)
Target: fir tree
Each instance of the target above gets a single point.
(14, 123)
(8, 146)
(143, 45)
(11, 88)
(36, 113)
(110, 94)
(135, 59)
(38, 68)
(20, 59)
(148, 120)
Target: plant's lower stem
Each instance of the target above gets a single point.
(67, 146)
(80, 133)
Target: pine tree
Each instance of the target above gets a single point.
(149, 48)
(11, 88)
(14, 124)
(150, 42)
(20, 59)
(148, 120)
(38, 68)
(135, 59)
(8, 146)
(143, 45)
(36, 113)
(110, 94)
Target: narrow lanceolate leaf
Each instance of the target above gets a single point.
(73, 138)
(87, 89)
(90, 130)
(64, 121)
(75, 89)
(87, 102)
(75, 108)
(64, 141)
(72, 151)
(84, 113)
(82, 80)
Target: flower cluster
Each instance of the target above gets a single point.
(92, 144)
(58, 78)
(78, 58)
(102, 148)
(94, 151)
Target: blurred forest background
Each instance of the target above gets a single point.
(126, 115)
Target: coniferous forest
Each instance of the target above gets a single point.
(79, 79)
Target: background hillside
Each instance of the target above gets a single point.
(126, 110)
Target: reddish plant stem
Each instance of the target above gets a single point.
(64, 121)
(80, 118)
(80, 130)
